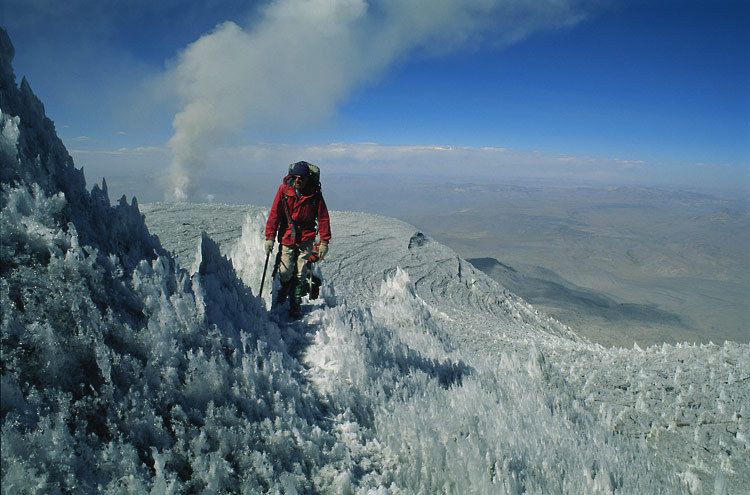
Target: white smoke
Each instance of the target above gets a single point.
(303, 57)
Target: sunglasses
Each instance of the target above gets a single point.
(300, 178)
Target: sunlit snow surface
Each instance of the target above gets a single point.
(125, 371)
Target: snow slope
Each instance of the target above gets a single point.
(127, 370)
(683, 406)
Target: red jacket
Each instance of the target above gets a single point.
(304, 211)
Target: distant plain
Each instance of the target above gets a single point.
(620, 265)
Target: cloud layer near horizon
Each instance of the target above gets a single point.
(302, 58)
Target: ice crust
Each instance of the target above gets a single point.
(127, 368)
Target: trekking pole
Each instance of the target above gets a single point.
(263, 278)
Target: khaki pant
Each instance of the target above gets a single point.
(286, 265)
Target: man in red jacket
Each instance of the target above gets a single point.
(297, 215)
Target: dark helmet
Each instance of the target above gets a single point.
(300, 168)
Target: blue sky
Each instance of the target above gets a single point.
(645, 82)
(661, 86)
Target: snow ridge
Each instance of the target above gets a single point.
(122, 371)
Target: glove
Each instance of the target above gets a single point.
(322, 250)
(269, 246)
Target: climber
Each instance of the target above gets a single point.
(297, 216)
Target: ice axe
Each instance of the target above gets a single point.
(275, 268)
(263, 278)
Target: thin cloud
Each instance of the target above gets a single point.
(435, 160)
(137, 151)
(245, 163)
